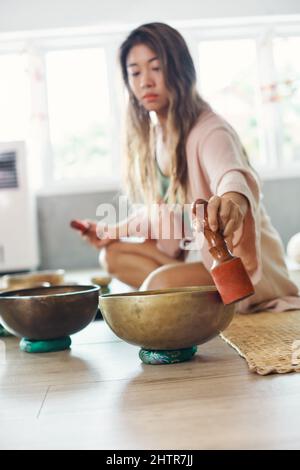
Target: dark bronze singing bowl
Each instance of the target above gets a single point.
(48, 312)
(167, 319)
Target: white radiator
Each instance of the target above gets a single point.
(18, 221)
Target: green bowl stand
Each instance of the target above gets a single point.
(104, 290)
(40, 346)
(44, 346)
(4, 332)
(159, 356)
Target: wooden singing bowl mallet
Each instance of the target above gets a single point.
(80, 225)
(228, 272)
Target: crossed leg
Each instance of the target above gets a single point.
(142, 265)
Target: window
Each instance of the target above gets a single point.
(228, 81)
(14, 98)
(79, 113)
(285, 91)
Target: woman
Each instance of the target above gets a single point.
(190, 153)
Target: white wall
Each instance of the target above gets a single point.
(18, 15)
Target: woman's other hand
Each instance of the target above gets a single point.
(96, 234)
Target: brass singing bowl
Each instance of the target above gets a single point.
(32, 279)
(167, 319)
(48, 312)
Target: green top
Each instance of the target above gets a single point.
(163, 180)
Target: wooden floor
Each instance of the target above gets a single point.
(99, 395)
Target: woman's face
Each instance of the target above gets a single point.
(146, 79)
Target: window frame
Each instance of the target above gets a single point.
(38, 47)
(77, 185)
(261, 31)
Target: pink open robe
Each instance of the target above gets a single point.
(217, 164)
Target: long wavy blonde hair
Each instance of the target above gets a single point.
(185, 107)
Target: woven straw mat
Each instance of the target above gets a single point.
(270, 342)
